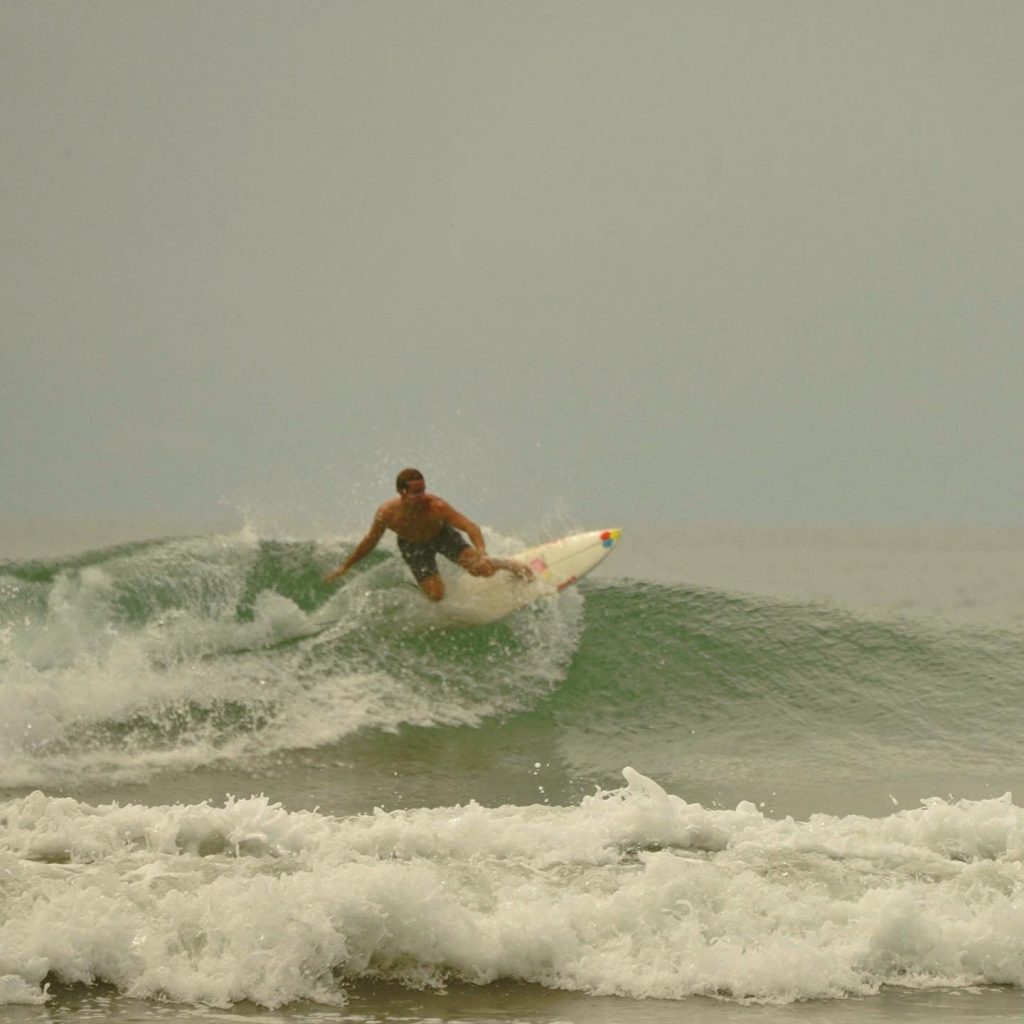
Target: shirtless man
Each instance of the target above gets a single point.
(426, 526)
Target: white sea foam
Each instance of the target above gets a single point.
(633, 892)
(145, 664)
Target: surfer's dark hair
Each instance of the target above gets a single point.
(406, 477)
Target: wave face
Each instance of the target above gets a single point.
(635, 789)
(177, 653)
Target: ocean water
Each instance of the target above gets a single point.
(738, 774)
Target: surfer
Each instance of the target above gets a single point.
(427, 526)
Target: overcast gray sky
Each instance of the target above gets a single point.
(756, 261)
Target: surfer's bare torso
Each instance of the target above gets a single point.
(422, 518)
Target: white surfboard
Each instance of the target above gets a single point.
(472, 600)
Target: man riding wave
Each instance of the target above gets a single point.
(427, 526)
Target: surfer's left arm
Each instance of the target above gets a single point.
(475, 535)
(467, 526)
(476, 538)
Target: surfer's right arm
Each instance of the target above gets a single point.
(361, 550)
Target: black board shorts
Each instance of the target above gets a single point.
(422, 557)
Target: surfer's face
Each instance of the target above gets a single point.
(414, 492)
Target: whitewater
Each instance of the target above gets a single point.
(737, 774)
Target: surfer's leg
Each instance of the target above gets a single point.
(433, 587)
(422, 562)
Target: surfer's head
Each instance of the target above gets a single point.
(405, 478)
